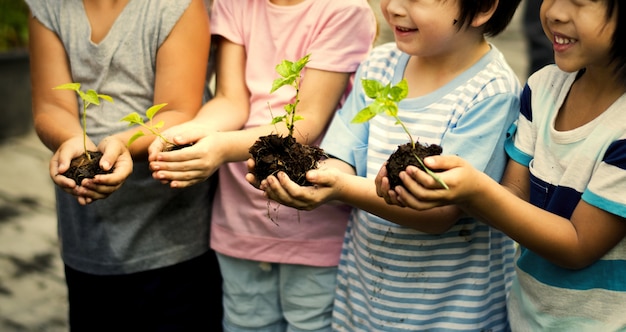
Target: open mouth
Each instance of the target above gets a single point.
(563, 41)
(402, 29)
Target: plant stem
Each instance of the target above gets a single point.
(85, 104)
(431, 173)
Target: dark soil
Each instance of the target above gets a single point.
(85, 168)
(405, 156)
(175, 147)
(275, 153)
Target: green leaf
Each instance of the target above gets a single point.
(106, 97)
(92, 97)
(279, 82)
(371, 88)
(278, 119)
(284, 68)
(300, 64)
(289, 108)
(159, 125)
(298, 118)
(133, 118)
(390, 108)
(153, 110)
(134, 137)
(399, 91)
(364, 115)
(68, 86)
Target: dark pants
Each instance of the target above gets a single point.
(540, 52)
(183, 297)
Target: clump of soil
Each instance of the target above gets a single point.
(405, 156)
(275, 153)
(175, 147)
(83, 168)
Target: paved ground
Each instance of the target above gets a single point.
(32, 288)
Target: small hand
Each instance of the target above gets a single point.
(283, 190)
(60, 163)
(383, 189)
(421, 191)
(187, 166)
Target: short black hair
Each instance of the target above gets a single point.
(500, 19)
(618, 48)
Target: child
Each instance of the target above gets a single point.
(562, 195)
(139, 259)
(276, 277)
(403, 270)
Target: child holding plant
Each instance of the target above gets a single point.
(279, 271)
(139, 259)
(401, 269)
(562, 196)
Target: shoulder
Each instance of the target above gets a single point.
(344, 6)
(549, 76)
(381, 63)
(47, 12)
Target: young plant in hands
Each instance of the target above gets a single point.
(386, 99)
(274, 153)
(155, 128)
(88, 164)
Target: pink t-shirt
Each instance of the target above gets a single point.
(338, 35)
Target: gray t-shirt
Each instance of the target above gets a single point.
(144, 225)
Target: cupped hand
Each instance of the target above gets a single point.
(60, 163)
(115, 157)
(383, 188)
(421, 191)
(283, 190)
(187, 166)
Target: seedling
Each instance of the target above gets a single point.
(290, 75)
(154, 128)
(89, 97)
(386, 99)
(274, 153)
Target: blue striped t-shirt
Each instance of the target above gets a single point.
(394, 278)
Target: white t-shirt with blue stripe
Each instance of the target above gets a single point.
(394, 278)
(587, 163)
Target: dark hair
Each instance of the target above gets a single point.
(618, 49)
(500, 19)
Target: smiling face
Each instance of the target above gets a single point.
(424, 27)
(580, 31)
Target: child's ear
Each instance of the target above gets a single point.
(483, 16)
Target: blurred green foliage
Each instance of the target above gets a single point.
(13, 24)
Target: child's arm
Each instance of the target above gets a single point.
(228, 110)
(320, 92)
(335, 180)
(55, 114)
(181, 63)
(575, 243)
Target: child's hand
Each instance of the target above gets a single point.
(250, 175)
(384, 190)
(61, 160)
(187, 166)
(115, 155)
(282, 190)
(421, 191)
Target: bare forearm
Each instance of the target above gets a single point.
(361, 193)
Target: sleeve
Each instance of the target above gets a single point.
(44, 12)
(224, 16)
(170, 13)
(345, 140)
(521, 137)
(479, 134)
(608, 182)
(344, 38)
